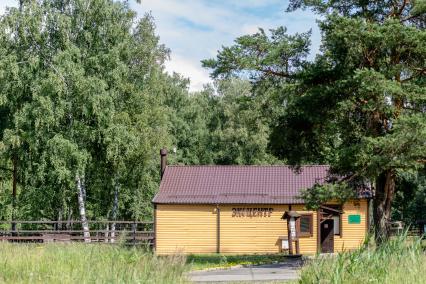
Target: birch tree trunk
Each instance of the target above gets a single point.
(14, 181)
(82, 208)
(106, 235)
(114, 209)
(58, 225)
(83, 188)
(69, 218)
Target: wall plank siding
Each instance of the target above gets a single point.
(185, 229)
(193, 229)
(308, 245)
(246, 235)
(353, 234)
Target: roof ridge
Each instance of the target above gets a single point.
(254, 184)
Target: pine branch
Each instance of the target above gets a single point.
(275, 73)
(410, 17)
(401, 9)
(420, 72)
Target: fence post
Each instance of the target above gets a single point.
(134, 232)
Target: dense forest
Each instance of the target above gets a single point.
(86, 105)
(85, 100)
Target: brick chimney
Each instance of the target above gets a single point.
(163, 164)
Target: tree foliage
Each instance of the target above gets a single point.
(77, 92)
(359, 106)
(84, 95)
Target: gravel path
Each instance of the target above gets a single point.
(257, 273)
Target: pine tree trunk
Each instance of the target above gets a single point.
(82, 209)
(385, 189)
(114, 209)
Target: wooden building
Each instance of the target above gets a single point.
(245, 210)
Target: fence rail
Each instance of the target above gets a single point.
(76, 222)
(126, 232)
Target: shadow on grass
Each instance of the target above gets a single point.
(204, 261)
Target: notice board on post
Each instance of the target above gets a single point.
(354, 219)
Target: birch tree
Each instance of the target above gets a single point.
(79, 91)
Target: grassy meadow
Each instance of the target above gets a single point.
(401, 260)
(80, 263)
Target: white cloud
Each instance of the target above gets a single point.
(197, 29)
(7, 3)
(198, 76)
(254, 3)
(249, 29)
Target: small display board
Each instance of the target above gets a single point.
(293, 227)
(354, 219)
(284, 244)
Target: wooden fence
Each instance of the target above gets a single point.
(110, 232)
(411, 231)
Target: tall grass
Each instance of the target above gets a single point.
(79, 263)
(400, 260)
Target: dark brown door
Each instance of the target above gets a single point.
(327, 236)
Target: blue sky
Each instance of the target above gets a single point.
(197, 29)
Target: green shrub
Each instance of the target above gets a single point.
(83, 263)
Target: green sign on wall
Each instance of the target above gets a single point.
(354, 219)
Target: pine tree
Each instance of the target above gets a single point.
(360, 106)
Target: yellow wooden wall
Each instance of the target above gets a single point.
(308, 245)
(192, 229)
(185, 229)
(353, 234)
(245, 235)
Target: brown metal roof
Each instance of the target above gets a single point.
(237, 184)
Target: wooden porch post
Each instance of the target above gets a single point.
(318, 231)
(290, 240)
(217, 228)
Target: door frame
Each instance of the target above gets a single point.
(324, 213)
(330, 236)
